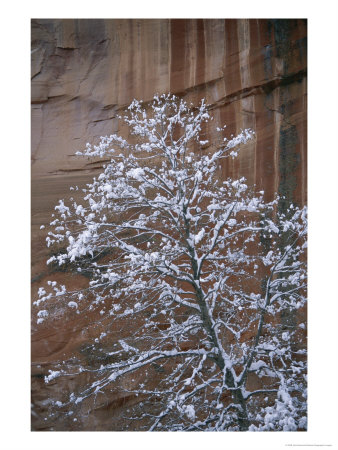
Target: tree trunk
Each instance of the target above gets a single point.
(237, 395)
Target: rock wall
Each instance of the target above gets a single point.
(253, 73)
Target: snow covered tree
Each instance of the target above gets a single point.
(189, 277)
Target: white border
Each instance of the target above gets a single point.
(15, 223)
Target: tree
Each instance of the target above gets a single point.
(189, 278)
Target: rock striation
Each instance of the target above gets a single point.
(252, 72)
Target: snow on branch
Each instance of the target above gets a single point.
(188, 279)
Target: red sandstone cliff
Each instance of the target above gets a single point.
(84, 72)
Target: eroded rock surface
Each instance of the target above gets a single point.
(85, 72)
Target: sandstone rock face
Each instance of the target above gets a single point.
(85, 72)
